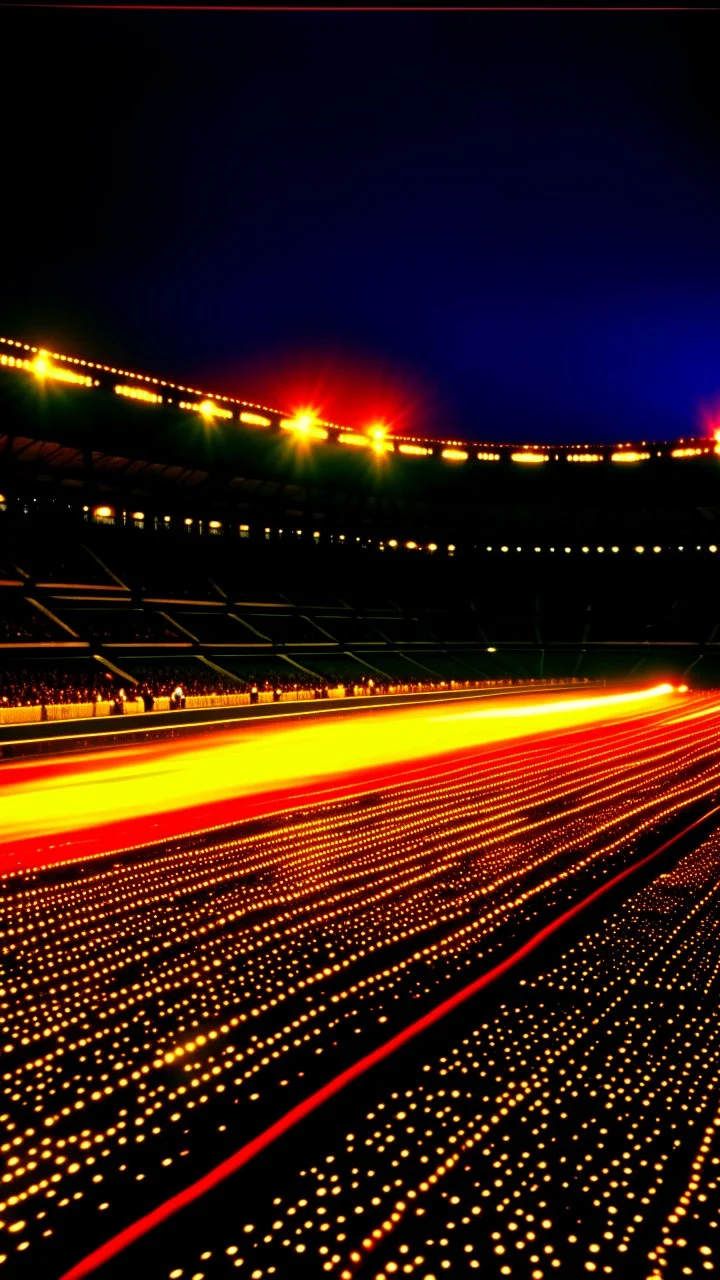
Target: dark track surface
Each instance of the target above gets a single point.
(163, 1008)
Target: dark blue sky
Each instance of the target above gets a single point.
(504, 226)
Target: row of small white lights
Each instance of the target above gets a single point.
(104, 513)
(305, 426)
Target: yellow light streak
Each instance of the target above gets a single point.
(454, 455)
(527, 456)
(137, 393)
(255, 420)
(120, 785)
(352, 438)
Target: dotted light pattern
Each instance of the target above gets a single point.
(544, 1139)
(377, 438)
(151, 1001)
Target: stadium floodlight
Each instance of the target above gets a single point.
(685, 453)
(392, 542)
(628, 455)
(411, 546)
(304, 427)
(528, 455)
(432, 546)
(103, 513)
(137, 393)
(451, 547)
(584, 457)
(414, 450)
(641, 549)
(210, 410)
(138, 515)
(454, 455)
(42, 367)
(354, 438)
(491, 648)
(255, 420)
(206, 408)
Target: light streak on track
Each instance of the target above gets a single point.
(122, 798)
(162, 1009)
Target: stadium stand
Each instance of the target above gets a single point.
(229, 556)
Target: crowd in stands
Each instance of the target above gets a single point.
(48, 686)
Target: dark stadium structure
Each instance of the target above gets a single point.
(422, 982)
(159, 534)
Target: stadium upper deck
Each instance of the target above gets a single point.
(127, 440)
(144, 523)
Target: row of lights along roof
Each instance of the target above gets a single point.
(307, 426)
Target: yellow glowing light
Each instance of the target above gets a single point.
(255, 420)
(584, 457)
(451, 547)
(414, 450)
(392, 542)
(42, 368)
(411, 546)
(557, 708)
(103, 511)
(377, 432)
(454, 455)
(527, 456)
(210, 410)
(432, 546)
(484, 456)
(138, 515)
(215, 524)
(305, 426)
(137, 393)
(628, 455)
(188, 520)
(352, 437)
(684, 453)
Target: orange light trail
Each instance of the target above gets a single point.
(164, 1009)
(117, 798)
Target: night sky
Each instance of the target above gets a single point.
(501, 226)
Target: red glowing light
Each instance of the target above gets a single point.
(346, 388)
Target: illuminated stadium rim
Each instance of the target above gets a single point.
(307, 427)
(242, 1157)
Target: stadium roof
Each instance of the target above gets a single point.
(304, 425)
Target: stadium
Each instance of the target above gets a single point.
(360, 805)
